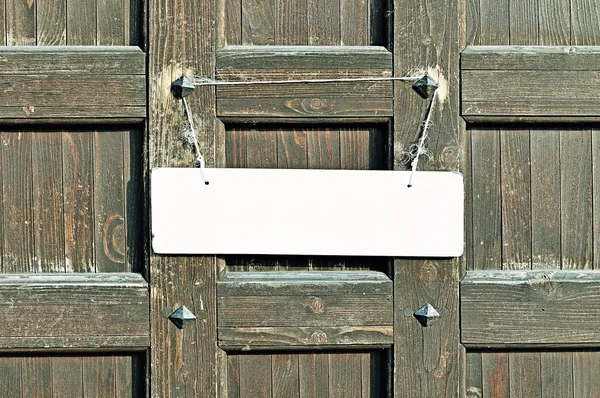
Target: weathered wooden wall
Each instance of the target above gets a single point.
(71, 196)
(534, 200)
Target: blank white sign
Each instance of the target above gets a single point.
(307, 212)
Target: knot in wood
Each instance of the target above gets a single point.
(429, 271)
(318, 337)
(317, 104)
(317, 305)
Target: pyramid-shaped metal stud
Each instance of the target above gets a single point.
(425, 86)
(426, 315)
(182, 87)
(181, 317)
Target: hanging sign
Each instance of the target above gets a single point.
(307, 212)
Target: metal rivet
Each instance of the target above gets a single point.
(425, 86)
(426, 315)
(182, 87)
(181, 317)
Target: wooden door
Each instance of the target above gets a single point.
(74, 302)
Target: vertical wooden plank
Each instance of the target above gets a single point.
(291, 27)
(524, 23)
(109, 202)
(134, 201)
(236, 148)
(495, 374)
(596, 195)
(78, 201)
(345, 375)
(586, 366)
(313, 375)
(426, 360)
(37, 376)
(545, 199)
(67, 377)
(474, 376)
(557, 374)
(255, 376)
(48, 225)
(98, 376)
(292, 149)
(111, 23)
(233, 22)
(81, 22)
(18, 242)
(487, 219)
(473, 17)
(354, 20)
(516, 199)
(285, 375)
(261, 148)
(3, 23)
(20, 23)
(355, 149)
(585, 23)
(323, 149)
(369, 376)
(10, 377)
(495, 22)
(524, 373)
(233, 376)
(554, 22)
(123, 376)
(324, 23)
(51, 22)
(258, 22)
(576, 199)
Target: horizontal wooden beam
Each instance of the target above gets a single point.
(72, 83)
(304, 100)
(519, 309)
(333, 309)
(74, 311)
(530, 84)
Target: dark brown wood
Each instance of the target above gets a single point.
(585, 365)
(18, 245)
(67, 376)
(252, 386)
(98, 376)
(323, 23)
(516, 200)
(81, 22)
(313, 375)
(36, 373)
(345, 376)
(551, 308)
(576, 199)
(557, 374)
(83, 311)
(47, 175)
(10, 376)
(354, 22)
(495, 374)
(112, 17)
(473, 376)
(524, 374)
(285, 375)
(545, 199)
(291, 26)
(77, 182)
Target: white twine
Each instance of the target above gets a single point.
(204, 81)
(191, 137)
(419, 148)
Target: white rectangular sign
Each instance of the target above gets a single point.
(307, 212)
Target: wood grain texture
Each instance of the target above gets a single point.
(495, 17)
(77, 182)
(524, 22)
(323, 23)
(291, 25)
(474, 375)
(596, 197)
(252, 386)
(47, 178)
(528, 308)
(585, 28)
(81, 22)
(354, 23)
(524, 374)
(83, 311)
(557, 374)
(313, 375)
(345, 376)
(585, 365)
(17, 199)
(46, 84)
(516, 199)
(258, 22)
(285, 375)
(554, 22)
(51, 23)
(36, 373)
(487, 211)
(545, 199)
(10, 376)
(576, 199)
(112, 17)
(495, 374)
(67, 375)
(20, 22)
